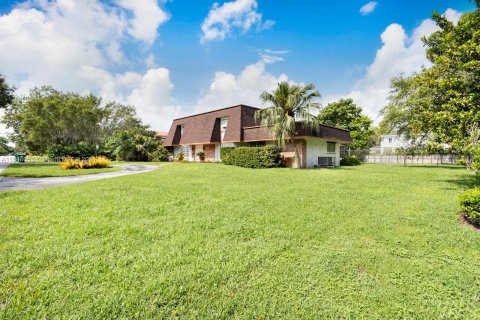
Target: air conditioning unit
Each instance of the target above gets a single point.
(326, 161)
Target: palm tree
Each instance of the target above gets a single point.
(285, 107)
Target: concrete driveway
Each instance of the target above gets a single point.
(3, 165)
(9, 183)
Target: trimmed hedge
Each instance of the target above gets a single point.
(350, 161)
(225, 154)
(470, 203)
(252, 157)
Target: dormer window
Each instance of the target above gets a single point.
(181, 129)
(223, 126)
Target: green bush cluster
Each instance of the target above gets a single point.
(225, 154)
(350, 161)
(249, 157)
(160, 154)
(470, 204)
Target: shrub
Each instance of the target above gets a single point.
(79, 150)
(180, 156)
(225, 154)
(249, 157)
(90, 163)
(160, 154)
(350, 161)
(470, 204)
(97, 162)
(201, 155)
(462, 162)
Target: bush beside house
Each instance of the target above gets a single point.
(247, 157)
(350, 161)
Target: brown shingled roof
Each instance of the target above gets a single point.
(204, 128)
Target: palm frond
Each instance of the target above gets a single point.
(284, 107)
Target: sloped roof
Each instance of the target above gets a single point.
(204, 128)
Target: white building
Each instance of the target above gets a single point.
(389, 143)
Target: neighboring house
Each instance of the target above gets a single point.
(236, 126)
(389, 143)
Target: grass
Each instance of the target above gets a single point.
(38, 170)
(214, 241)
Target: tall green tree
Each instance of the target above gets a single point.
(4, 147)
(441, 104)
(6, 93)
(138, 144)
(347, 115)
(48, 118)
(285, 108)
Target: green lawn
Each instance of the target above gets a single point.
(213, 241)
(37, 170)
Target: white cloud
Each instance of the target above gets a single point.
(399, 54)
(153, 99)
(147, 17)
(271, 56)
(76, 45)
(237, 14)
(228, 89)
(368, 8)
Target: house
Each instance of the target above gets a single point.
(236, 126)
(389, 143)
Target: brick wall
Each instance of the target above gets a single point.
(209, 150)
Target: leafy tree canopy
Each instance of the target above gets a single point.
(48, 117)
(441, 104)
(6, 93)
(346, 115)
(4, 147)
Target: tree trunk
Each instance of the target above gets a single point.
(297, 155)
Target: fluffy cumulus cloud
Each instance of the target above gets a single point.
(368, 7)
(399, 54)
(77, 45)
(227, 89)
(239, 14)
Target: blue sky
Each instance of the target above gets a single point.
(155, 55)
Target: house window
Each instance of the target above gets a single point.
(223, 126)
(331, 147)
(187, 152)
(257, 144)
(389, 140)
(181, 129)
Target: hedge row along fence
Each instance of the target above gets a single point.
(252, 157)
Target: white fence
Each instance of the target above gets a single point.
(407, 159)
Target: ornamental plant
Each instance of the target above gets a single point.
(90, 163)
(201, 155)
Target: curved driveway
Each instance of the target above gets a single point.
(9, 183)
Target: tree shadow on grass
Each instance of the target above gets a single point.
(467, 181)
